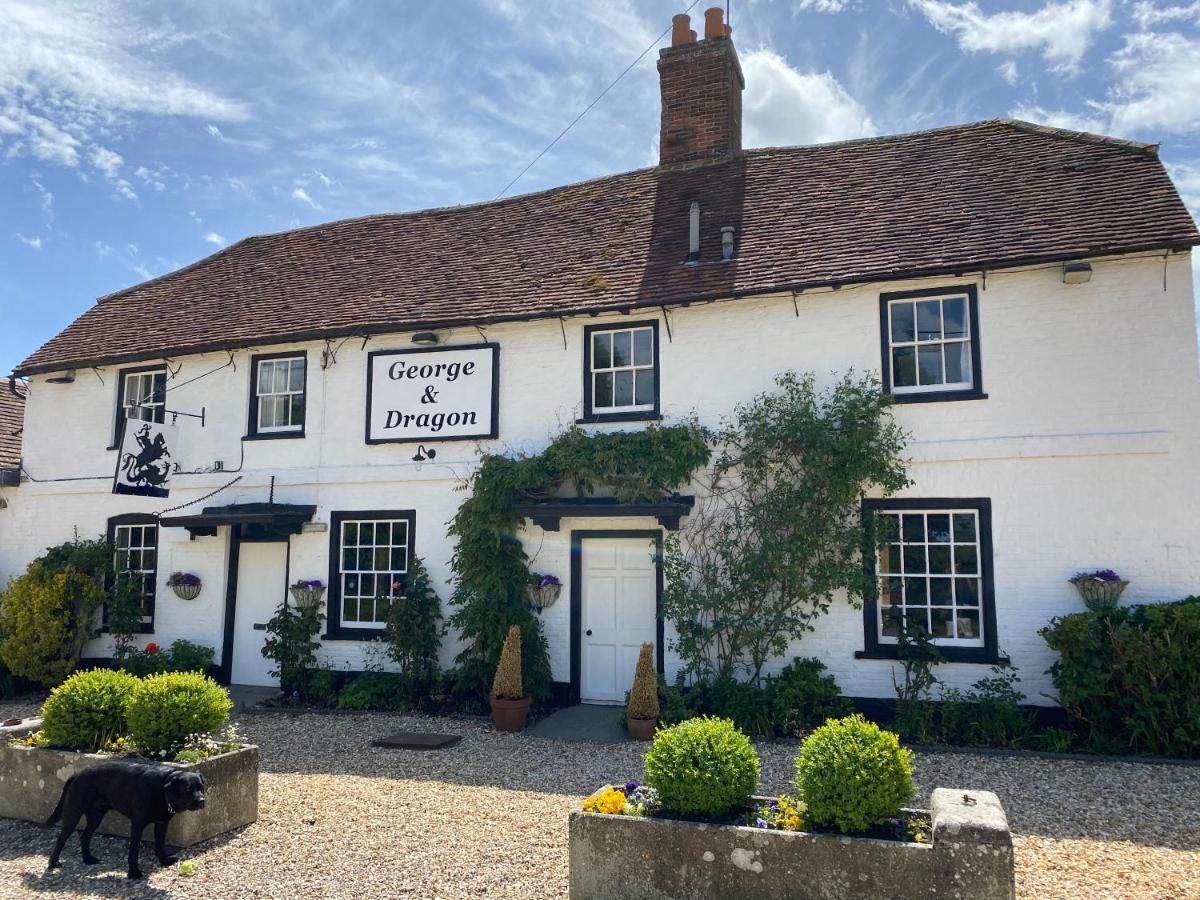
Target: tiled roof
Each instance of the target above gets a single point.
(985, 195)
(12, 418)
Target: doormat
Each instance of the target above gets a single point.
(417, 740)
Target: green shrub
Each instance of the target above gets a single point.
(375, 690)
(188, 657)
(988, 715)
(414, 633)
(803, 698)
(1130, 676)
(672, 705)
(46, 617)
(852, 774)
(746, 705)
(321, 688)
(703, 767)
(88, 709)
(166, 708)
(1052, 740)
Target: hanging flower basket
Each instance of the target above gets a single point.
(185, 585)
(307, 594)
(1101, 589)
(544, 591)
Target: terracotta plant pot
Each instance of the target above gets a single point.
(510, 715)
(642, 729)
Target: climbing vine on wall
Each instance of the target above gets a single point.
(490, 565)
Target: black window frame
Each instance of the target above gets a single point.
(643, 415)
(873, 648)
(333, 608)
(111, 535)
(975, 392)
(252, 432)
(119, 414)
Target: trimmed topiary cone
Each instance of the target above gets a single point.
(510, 706)
(642, 710)
(507, 683)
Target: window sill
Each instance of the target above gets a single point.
(938, 396)
(649, 415)
(354, 634)
(142, 629)
(975, 655)
(273, 436)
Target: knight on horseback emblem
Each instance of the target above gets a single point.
(145, 461)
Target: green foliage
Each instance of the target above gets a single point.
(490, 565)
(123, 613)
(747, 705)
(46, 616)
(777, 534)
(181, 656)
(802, 697)
(414, 635)
(1130, 676)
(166, 709)
(91, 557)
(292, 645)
(918, 656)
(987, 715)
(703, 767)
(376, 691)
(88, 709)
(853, 775)
(1052, 740)
(322, 688)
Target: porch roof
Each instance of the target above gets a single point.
(287, 518)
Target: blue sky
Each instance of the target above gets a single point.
(136, 137)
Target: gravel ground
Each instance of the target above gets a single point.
(339, 818)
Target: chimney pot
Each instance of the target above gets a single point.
(714, 27)
(681, 31)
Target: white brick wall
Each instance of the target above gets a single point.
(1086, 445)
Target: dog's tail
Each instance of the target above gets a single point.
(62, 798)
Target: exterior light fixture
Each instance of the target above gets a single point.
(425, 337)
(1077, 273)
(727, 243)
(67, 377)
(693, 257)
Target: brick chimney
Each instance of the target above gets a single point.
(701, 83)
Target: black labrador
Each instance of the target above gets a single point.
(143, 792)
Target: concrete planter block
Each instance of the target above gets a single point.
(613, 857)
(32, 779)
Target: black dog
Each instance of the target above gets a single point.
(142, 792)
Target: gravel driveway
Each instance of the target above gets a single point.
(339, 818)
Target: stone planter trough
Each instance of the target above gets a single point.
(32, 779)
(622, 856)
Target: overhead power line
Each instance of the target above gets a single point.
(588, 108)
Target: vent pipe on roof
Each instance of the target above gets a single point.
(693, 257)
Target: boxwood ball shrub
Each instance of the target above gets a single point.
(702, 767)
(166, 708)
(88, 709)
(853, 774)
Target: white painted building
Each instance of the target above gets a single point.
(1063, 435)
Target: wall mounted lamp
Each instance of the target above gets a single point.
(1077, 273)
(425, 337)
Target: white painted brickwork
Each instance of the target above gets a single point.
(1087, 446)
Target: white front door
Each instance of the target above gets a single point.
(618, 613)
(261, 584)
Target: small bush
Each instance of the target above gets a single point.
(414, 634)
(88, 709)
(988, 715)
(1130, 676)
(703, 767)
(803, 698)
(746, 705)
(643, 699)
(165, 709)
(507, 683)
(375, 690)
(188, 657)
(852, 774)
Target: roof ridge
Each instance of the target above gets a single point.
(1089, 137)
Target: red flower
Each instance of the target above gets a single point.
(152, 647)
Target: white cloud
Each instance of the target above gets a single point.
(1187, 180)
(1148, 14)
(47, 197)
(214, 131)
(213, 238)
(1060, 31)
(32, 242)
(102, 249)
(302, 195)
(1157, 84)
(1060, 118)
(107, 161)
(824, 6)
(1008, 71)
(69, 71)
(784, 106)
